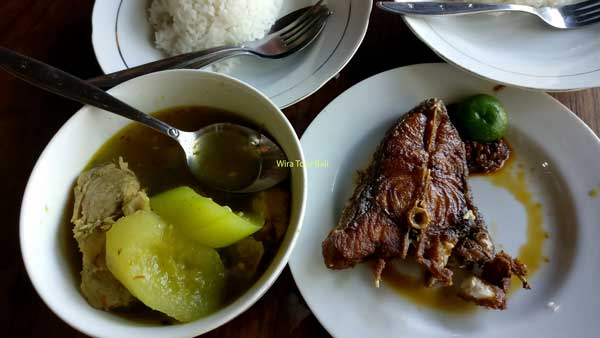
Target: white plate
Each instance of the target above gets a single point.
(516, 49)
(122, 38)
(561, 157)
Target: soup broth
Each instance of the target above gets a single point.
(160, 165)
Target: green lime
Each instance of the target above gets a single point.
(481, 118)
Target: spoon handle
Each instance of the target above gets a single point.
(61, 83)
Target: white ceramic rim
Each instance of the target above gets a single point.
(234, 309)
(106, 48)
(424, 31)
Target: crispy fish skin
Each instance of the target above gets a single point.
(414, 200)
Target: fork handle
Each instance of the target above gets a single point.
(445, 8)
(188, 60)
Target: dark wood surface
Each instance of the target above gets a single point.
(58, 32)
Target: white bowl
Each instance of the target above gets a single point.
(46, 208)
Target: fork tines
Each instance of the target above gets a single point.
(302, 19)
(583, 13)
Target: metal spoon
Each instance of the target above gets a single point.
(248, 143)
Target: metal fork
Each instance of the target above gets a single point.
(290, 39)
(565, 17)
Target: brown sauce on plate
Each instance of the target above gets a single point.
(412, 287)
(511, 178)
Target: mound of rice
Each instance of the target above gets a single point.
(183, 26)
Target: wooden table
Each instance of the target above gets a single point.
(58, 32)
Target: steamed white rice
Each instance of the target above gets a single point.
(183, 26)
